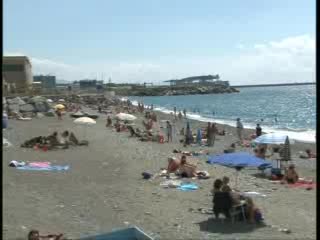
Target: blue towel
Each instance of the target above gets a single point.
(51, 168)
(188, 187)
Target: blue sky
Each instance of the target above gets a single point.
(144, 40)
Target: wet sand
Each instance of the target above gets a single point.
(103, 190)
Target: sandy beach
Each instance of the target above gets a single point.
(103, 189)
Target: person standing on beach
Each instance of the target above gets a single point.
(180, 115)
(59, 114)
(239, 129)
(208, 134)
(175, 112)
(213, 132)
(185, 113)
(189, 137)
(258, 130)
(169, 131)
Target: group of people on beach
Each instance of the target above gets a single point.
(54, 141)
(225, 198)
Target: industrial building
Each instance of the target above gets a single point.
(17, 72)
(48, 81)
(198, 80)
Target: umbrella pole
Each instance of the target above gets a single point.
(237, 175)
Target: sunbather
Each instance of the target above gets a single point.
(187, 169)
(52, 140)
(33, 141)
(231, 149)
(307, 154)
(173, 165)
(35, 235)
(253, 212)
(72, 139)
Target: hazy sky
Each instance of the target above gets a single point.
(245, 41)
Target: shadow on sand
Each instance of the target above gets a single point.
(213, 225)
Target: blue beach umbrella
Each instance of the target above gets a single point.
(238, 161)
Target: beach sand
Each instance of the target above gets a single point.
(104, 190)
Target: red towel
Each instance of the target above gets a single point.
(303, 185)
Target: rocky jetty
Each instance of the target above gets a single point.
(170, 91)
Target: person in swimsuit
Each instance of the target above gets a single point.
(291, 175)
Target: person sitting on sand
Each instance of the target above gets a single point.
(117, 126)
(52, 140)
(231, 149)
(253, 212)
(291, 176)
(148, 125)
(109, 121)
(225, 187)
(307, 154)
(186, 169)
(72, 139)
(64, 141)
(217, 184)
(173, 165)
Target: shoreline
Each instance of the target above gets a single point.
(247, 127)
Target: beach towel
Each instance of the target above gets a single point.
(49, 168)
(250, 194)
(188, 187)
(302, 185)
(39, 164)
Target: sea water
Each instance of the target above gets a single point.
(287, 109)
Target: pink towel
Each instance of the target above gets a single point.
(39, 164)
(303, 185)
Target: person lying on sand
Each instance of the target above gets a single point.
(34, 141)
(291, 176)
(35, 235)
(307, 154)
